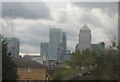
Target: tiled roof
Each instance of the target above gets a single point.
(26, 62)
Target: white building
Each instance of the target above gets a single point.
(84, 38)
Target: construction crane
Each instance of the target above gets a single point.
(11, 23)
(12, 34)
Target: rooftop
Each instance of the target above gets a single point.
(26, 62)
(84, 27)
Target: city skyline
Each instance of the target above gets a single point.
(33, 28)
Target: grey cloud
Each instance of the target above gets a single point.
(28, 49)
(90, 19)
(30, 35)
(28, 10)
(33, 36)
(109, 7)
(62, 18)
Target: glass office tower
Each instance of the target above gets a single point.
(55, 38)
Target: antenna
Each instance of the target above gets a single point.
(11, 24)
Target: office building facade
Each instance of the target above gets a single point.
(97, 47)
(13, 45)
(54, 42)
(57, 44)
(84, 38)
(44, 49)
(63, 47)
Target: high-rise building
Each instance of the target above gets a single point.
(84, 38)
(44, 49)
(13, 46)
(97, 47)
(57, 44)
(63, 47)
(54, 42)
(64, 41)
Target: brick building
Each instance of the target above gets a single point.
(29, 70)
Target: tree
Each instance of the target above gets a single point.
(103, 44)
(9, 68)
(82, 59)
(107, 63)
(77, 61)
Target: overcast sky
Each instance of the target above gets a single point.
(31, 22)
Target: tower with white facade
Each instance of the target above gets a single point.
(84, 38)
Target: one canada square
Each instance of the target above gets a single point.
(84, 38)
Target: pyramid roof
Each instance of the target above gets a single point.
(84, 27)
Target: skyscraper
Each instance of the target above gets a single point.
(97, 47)
(63, 47)
(64, 41)
(13, 46)
(44, 49)
(54, 42)
(84, 38)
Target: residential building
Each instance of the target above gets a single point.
(29, 70)
(44, 49)
(84, 38)
(13, 45)
(38, 59)
(51, 63)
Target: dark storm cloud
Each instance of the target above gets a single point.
(28, 10)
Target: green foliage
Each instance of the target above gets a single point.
(82, 59)
(78, 60)
(57, 75)
(106, 61)
(60, 74)
(103, 44)
(9, 69)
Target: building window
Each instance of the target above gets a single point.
(28, 69)
(27, 81)
(18, 70)
(35, 81)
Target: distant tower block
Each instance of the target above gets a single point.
(84, 38)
